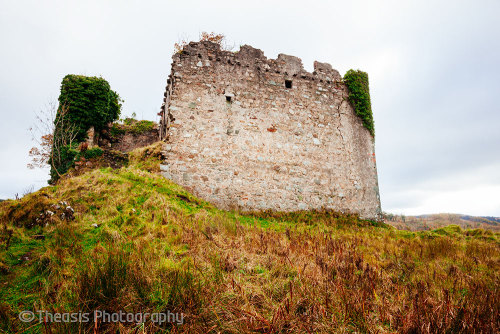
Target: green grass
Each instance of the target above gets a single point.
(130, 125)
(159, 248)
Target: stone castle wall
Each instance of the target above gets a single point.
(243, 131)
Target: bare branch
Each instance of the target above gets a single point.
(52, 131)
(205, 36)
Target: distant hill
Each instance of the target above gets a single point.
(433, 221)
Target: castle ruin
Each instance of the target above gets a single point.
(250, 133)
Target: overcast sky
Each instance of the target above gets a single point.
(433, 67)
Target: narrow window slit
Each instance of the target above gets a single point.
(288, 84)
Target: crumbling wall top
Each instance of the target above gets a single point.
(252, 57)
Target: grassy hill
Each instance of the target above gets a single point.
(136, 242)
(434, 221)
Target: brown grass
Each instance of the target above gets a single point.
(158, 248)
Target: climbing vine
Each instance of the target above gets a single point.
(90, 102)
(359, 96)
(84, 102)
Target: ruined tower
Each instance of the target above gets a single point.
(243, 131)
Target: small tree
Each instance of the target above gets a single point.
(48, 151)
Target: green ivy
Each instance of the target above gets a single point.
(69, 156)
(116, 130)
(90, 102)
(66, 161)
(93, 153)
(359, 96)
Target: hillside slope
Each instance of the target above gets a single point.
(137, 242)
(433, 221)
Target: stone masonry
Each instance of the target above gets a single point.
(250, 133)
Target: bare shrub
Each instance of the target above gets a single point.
(49, 143)
(206, 37)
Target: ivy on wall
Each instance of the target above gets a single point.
(359, 96)
(90, 102)
(84, 102)
(68, 158)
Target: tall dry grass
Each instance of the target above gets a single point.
(156, 248)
